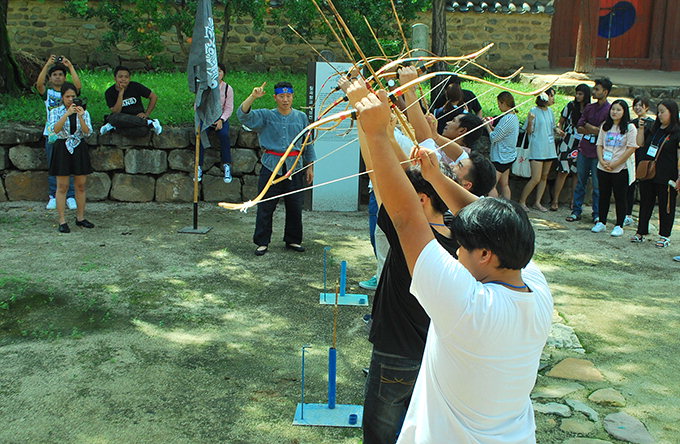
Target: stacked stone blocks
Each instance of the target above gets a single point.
(152, 168)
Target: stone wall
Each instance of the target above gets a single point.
(155, 167)
(37, 26)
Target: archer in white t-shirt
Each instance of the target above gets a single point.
(491, 309)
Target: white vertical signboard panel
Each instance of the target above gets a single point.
(339, 144)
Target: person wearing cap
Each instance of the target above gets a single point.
(276, 129)
(48, 85)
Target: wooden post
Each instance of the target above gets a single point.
(586, 40)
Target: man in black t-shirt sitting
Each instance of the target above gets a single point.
(128, 116)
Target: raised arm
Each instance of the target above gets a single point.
(41, 81)
(74, 74)
(256, 94)
(413, 111)
(454, 196)
(398, 195)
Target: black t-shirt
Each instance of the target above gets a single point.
(472, 105)
(132, 98)
(667, 160)
(399, 322)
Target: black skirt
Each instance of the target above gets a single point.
(64, 163)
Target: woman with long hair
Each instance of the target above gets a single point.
(641, 108)
(616, 142)
(540, 126)
(503, 138)
(68, 125)
(568, 149)
(664, 146)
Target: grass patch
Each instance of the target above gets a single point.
(175, 103)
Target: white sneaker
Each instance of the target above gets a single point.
(106, 128)
(51, 204)
(617, 231)
(157, 128)
(227, 173)
(71, 203)
(628, 220)
(598, 228)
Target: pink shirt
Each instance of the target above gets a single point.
(615, 144)
(227, 101)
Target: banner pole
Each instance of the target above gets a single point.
(195, 229)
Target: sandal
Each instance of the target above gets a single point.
(637, 238)
(663, 242)
(573, 217)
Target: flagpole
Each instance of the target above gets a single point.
(196, 160)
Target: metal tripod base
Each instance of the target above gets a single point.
(192, 230)
(321, 415)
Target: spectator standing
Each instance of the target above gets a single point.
(49, 83)
(68, 125)
(594, 114)
(641, 108)
(503, 138)
(615, 144)
(568, 149)
(540, 126)
(664, 145)
(221, 127)
(124, 99)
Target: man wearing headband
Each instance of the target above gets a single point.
(276, 129)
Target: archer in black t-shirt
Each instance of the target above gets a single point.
(124, 99)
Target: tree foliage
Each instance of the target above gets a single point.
(141, 23)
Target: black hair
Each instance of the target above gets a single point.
(222, 67)
(540, 102)
(482, 175)
(68, 86)
(120, 68)
(423, 186)
(605, 83)
(672, 108)
(283, 85)
(473, 124)
(57, 67)
(498, 225)
(453, 95)
(506, 98)
(577, 108)
(625, 119)
(644, 101)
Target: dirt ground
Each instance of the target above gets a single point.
(133, 333)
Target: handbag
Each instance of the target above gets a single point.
(521, 166)
(646, 169)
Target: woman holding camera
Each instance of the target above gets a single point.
(68, 125)
(664, 147)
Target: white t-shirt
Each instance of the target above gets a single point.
(481, 356)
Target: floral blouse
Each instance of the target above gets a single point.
(73, 138)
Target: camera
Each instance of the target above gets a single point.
(59, 59)
(79, 101)
(648, 121)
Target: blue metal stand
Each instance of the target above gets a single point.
(326, 298)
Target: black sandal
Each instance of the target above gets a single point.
(573, 217)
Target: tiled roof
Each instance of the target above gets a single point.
(503, 6)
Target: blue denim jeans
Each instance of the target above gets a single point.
(225, 144)
(52, 180)
(389, 387)
(372, 217)
(586, 166)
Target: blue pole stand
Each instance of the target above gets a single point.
(332, 377)
(343, 278)
(344, 298)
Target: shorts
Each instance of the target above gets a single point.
(502, 167)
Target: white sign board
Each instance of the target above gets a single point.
(337, 150)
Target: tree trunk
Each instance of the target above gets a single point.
(586, 38)
(11, 79)
(225, 32)
(439, 37)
